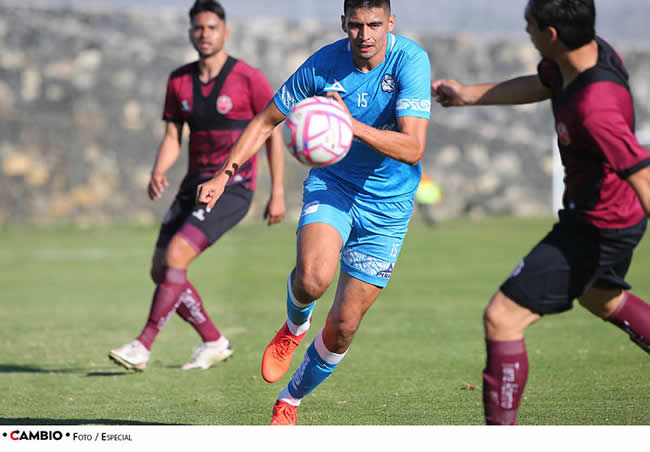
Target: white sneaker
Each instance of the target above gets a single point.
(132, 356)
(209, 353)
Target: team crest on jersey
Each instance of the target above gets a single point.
(563, 133)
(388, 83)
(224, 104)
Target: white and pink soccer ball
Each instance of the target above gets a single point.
(318, 131)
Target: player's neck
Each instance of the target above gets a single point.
(574, 62)
(368, 65)
(209, 67)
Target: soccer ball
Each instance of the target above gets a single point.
(318, 131)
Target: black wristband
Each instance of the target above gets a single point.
(235, 167)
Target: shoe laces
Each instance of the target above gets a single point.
(286, 345)
(287, 412)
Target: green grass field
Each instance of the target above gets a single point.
(70, 295)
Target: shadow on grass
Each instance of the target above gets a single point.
(16, 368)
(43, 421)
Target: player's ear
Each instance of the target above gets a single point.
(344, 24)
(391, 22)
(226, 34)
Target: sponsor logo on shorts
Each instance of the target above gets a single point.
(312, 207)
(367, 264)
(200, 214)
(518, 269)
(386, 274)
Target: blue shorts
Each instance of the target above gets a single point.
(372, 231)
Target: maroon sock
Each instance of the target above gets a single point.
(165, 301)
(192, 311)
(633, 317)
(504, 379)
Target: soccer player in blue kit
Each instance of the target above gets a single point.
(356, 211)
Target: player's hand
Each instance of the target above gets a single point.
(157, 186)
(339, 100)
(275, 209)
(209, 192)
(448, 93)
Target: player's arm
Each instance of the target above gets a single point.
(168, 153)
(276, 208)
(516, 91)
(249, 142)
(640, 182)
(405, 145)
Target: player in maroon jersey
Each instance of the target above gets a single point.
(216, 96)
(606, 202)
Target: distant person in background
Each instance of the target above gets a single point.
(428, 194)
(216, 96)
(355, 212)
(606, 202)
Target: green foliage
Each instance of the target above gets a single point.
(70, 295)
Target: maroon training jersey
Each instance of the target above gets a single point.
(217, 112)
(594, 120)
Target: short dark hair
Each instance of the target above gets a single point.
(574, 20)
(207, 6)
(353, 4)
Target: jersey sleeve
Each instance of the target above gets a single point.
(171, 110)
(299, 86)
(546, 70)
(261, 91)
(414, 97)
(619, 145)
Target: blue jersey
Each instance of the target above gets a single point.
(399, 86)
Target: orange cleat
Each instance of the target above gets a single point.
(284, 414)
(277, 356)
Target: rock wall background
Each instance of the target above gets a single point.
(81, 96)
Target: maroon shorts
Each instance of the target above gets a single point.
(191, 221)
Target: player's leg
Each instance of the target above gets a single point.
(135, 354)
(353, 299)
(506, 370)
(623, 309)
(324, 226)
(610, 298)
(546, 281)
(167, 296)
(200, 232)
(166, 300)
(318, 251)
(367, 262)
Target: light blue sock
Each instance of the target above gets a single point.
(317, 365)
(297, 312)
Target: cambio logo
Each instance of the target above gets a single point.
(40, 435)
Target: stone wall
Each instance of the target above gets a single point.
(81, 97)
